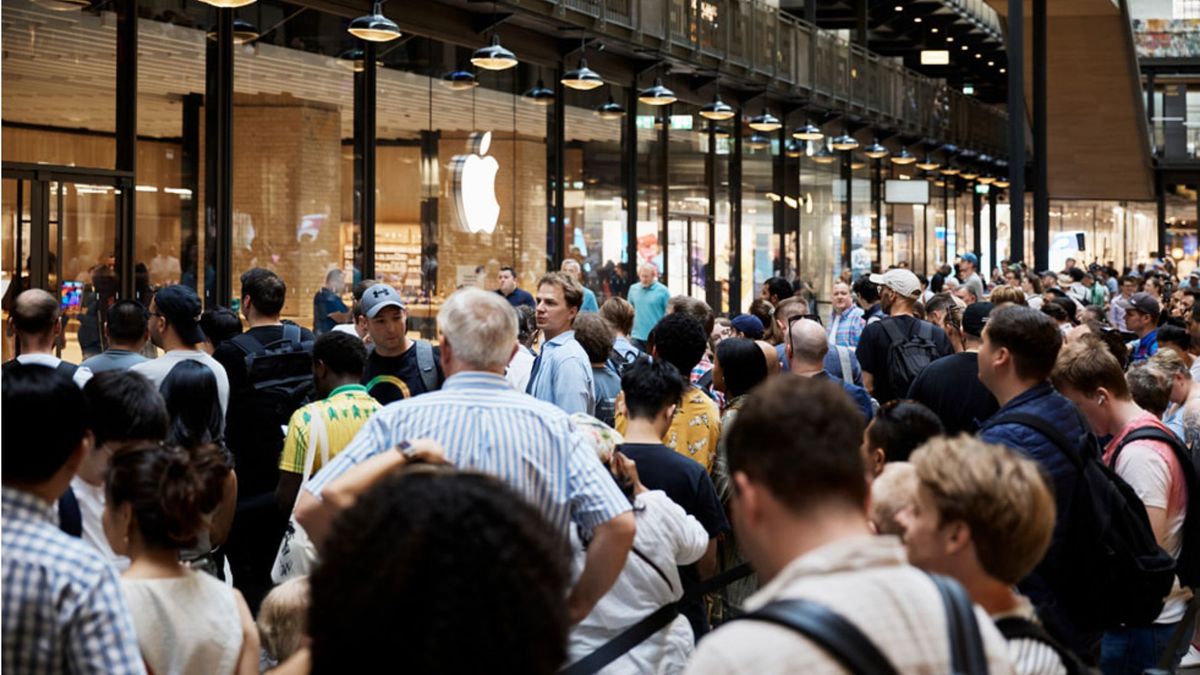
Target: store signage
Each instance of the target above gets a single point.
(935, 57)
(906, 192)
(474, 185)
(982, 189)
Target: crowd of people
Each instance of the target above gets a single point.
(935, 475)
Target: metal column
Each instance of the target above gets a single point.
(877, 226)
(847, 210)
(126, 142)
(712, 293)
(664, 186)
(629, 160)
(1160, 196)
(189, 174)
(977, 224)
(218, 165)
(735, 213)
(1016, 128)
(992, 228)
(557, 167)
(779, 210)
(364, 160)
(1041, 191)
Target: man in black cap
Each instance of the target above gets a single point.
(1141, 317)
(950, 386)
(175, 328)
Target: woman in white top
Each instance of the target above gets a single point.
(187, 622)
(667, 537)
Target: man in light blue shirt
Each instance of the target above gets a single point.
(572, 268)
(649, 299)
(562, 372)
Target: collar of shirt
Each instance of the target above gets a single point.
(476, 379)
(847, 313)
(40, 360)
(844, 555)
(26, 506)
(560, 339)
(346, 388)
(1028, 395)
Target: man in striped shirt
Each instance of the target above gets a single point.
(486, 426)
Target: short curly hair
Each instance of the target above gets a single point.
(455, 565)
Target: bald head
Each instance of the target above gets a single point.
(809, 344)
(35, 312)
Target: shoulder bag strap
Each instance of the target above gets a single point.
(426, 365)
(847, 366)
(1017, 628)
(646, 559)
(828, 630)
(892, 331)
(966, 644)
(247, 343)
(925, 330)
(318, 437)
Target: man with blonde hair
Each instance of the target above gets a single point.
(488, 427)
(984, 516)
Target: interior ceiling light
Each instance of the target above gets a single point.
(657, 94)
(720, 131)
(808, 132)
(758, 142)
(856, 164)
(765, 122)
(1003, 70)
(374, 27)
(243, 32)
(928, 164)
(950, 171)
(353, 59)
(582, 78)
(823, 156)
(875, 150)
(610, 110)
(903, 158)
(917, 20)
(933, 30)
(718, 110)
(964, 48)
(987, 180)
(494, 56)
(223, 4)
(969, 174)
(539, 94)
(459, 80)
(65, 5)
(794, 149)
(949, 38)
(1002, 184)
(845, 142)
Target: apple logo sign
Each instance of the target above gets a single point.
(475, 185)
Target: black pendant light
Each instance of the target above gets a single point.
(539, 94)
(657, 94)
(460, 80)
(765, 122)
(243, 32)
(493, 56)
(903, 158)
(717, 110)
(374, 27)
(610, 110)
(808, 132)
(876, 150)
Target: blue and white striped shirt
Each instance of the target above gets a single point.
(63, 608)
(486, 426)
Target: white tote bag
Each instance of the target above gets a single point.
(297, 555)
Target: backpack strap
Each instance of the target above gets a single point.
(247, 343)
(892, 331)
(66, 369)
(1017, 628)
(1043, 427)
(847, 366)
(966, 644)
(426, 365)
(828, 630)
(925, 330)
(70, 517)
(1153, 433)
(291, 333)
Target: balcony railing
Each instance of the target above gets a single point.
(763, 43)
(1167, 38)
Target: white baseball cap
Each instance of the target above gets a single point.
(900, 280)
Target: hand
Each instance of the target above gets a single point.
(425, 451)
(625, 470)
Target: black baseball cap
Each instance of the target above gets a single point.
(180, 306)
(975, 317)
(1142, 302)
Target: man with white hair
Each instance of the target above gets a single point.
(489, 427)
(806, 347)
(649, 299)
(571, 267)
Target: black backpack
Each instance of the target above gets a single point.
(618, 362)
(908, 355)
(1187, 565)
(1016, 628)
(1115, 573)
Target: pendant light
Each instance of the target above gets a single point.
(223, 4)
(720, 131)
(657, 94)
(969, 174)
(243, 32)
(582, 78)
(845, 143)
(460, 80)
(65, 5)
(875, 150)
(987, 179)
(928, 164)
(352, 59)
(903, 158)
(808, 132)
(718, 110)
(374, 27)
(539, 94)
(794, 149)
(758, 142)
(823, 156)
(950, 170)
(1002, 184)
(610, 110)
(662, 122)
(765, 122)
(856, 163)
(494, 56)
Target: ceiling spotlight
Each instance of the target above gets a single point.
(978, 55)
(793, 149)
(949, 38)
(374, 27)
(903, 158)
(856, 164)
(899, 8)
(845, 142)
(493, 56)
(933, 30)
(539, 95)
(964, 48)
(808, 132)
(582, 78)
(718, 110)
(928, 164)
(765, 122)
(460, 80)
(917, 20)
(1004, 70)
(243, 32)
(991, 63)
(610, 110)
(875, 150)
(656, 94)
(823, 156)
(758, 142)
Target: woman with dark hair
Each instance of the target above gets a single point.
(186, 622)
(897, 429)
(190, 392)
(219, 324)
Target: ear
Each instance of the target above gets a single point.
(957, 536)
(670, 411)
(749, 500)
(878, 460)
(81, 451)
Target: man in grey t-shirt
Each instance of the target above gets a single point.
(127, 331)
(968, 272)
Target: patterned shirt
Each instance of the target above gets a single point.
(486, 426)
(845, 328)
(695, 429)
(345, 411)
(63, 608)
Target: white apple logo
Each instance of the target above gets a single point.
(475, 185)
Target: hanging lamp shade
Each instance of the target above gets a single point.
(243, 32)
(845, 142)
(794, 149)
(1002, 184)
(64, 5)
(460, 80)
(539, 94)
(823, 156)
(610, 110)
(987, 180)
(875, 150)
(720, 131)
(353, 59)
(758, 142)
(970, 174)
(494, 56)
(223, 4)
(808, 132)
(950, 170)
(582, 78)
(374, 27)
(928, 164)
(657, 94)
(857, 163)
(718, 110)
(766, 122)
(903, 158)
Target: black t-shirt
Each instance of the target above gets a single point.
(687, 484)
(950, 387)
(874, 345)
(392, 378)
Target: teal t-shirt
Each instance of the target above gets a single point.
(649, 305)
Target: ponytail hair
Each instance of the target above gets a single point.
(172, 490)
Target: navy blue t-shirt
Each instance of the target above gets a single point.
(325, 303)
(687, 484)
(519, 297)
